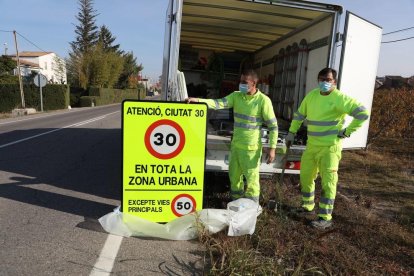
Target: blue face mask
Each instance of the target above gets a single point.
(325, 86)
(243, 87)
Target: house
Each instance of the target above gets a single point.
(394, 82)
(379, 82)
(410, 81)
(144, 81)
(47, 63)
(26, 67)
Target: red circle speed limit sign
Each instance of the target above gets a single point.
(164, 139)
(183, 204)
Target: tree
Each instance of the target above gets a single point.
(107, 40)
(59, 68)
(102, 68)
(86, 31)
(7, 65)
(130, 71)
(86, 37)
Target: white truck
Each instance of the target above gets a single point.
(209, 43)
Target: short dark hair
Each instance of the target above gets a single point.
(251, 73)
(326, 71)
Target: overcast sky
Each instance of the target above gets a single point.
(139, 27)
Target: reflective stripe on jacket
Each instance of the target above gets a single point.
(250, 113)
(325, 116)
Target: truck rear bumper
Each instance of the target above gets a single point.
(218, 156)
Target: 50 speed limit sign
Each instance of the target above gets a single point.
(164, 139)
(183, 204)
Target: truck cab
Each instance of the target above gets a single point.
(209, 43)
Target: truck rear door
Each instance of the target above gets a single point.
(358, 69)
(171, 50)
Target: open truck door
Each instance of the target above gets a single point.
(171, 50)
(358, 69)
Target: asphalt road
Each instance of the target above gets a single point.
(59, 173)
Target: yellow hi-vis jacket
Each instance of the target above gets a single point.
(250, 112)
(325, 116)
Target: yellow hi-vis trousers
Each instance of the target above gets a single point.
(325, 160)
(245, 162)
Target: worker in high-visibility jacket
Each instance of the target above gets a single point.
(324, 110)
(251, 109)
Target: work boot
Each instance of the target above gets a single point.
(302, 212)
(321, 223)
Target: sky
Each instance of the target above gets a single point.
(138, 25)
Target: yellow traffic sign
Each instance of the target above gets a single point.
(163, 158)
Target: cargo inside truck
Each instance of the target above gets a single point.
(286, 44)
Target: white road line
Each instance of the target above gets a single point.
(54, 130)
(53, 114)
(106, 259)
(32, 118)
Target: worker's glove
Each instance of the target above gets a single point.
(342, 134)
(289, 139)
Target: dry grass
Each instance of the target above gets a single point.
(373, 231)
(5, 115)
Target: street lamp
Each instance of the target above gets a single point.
(5, 48)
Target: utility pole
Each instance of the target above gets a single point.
(18, 71)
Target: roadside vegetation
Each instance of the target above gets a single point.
(373, 231)
(95, 60)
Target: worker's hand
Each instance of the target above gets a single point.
(191, 100)
(289, 139)
(271, 155)
(342, 134)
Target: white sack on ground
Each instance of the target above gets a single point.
(240, 217)
(244, 215)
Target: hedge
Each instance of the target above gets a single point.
(104, 96)
(56, 96)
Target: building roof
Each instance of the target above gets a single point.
(394, 77)
(32, 54)
(27, 63)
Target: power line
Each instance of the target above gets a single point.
(398, 40)
(25, 39)
(399, 31)
(31, 42)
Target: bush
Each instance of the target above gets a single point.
(9, 79)
(104, 96)
(10, 97)
(86, 101)
(392, 114)
(75, 94)
(55, 96)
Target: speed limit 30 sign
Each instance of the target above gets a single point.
(164, 139)
(163, 158)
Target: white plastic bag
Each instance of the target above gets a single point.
(243, 217)
(240, 216)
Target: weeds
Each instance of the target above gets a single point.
(372, 232)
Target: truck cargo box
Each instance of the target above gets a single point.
(209, 43)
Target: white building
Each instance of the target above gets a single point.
(48, 63)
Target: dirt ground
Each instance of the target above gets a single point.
(372, 234)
